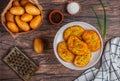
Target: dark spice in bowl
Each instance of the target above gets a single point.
(56, 17)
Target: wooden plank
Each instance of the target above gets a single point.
(50, 68)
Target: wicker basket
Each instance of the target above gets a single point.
(3, 19)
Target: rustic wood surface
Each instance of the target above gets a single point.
(50, 68)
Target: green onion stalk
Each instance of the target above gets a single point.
(101, 27)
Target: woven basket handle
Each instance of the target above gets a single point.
(35, 1)
(59, 1)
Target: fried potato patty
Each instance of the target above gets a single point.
(64, 53)
(92, 39)
(77, 46)
(82, 60)
(74, 30)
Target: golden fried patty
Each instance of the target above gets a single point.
(64, 53)
(77, 46)
(82, 60)
(92, 39)
(74, 30)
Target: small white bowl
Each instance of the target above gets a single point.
(73, 8)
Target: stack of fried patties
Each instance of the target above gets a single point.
(78, 45)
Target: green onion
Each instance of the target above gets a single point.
(103, 31)
(105, 20)
(98, 20)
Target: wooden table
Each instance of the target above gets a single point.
(50, 69)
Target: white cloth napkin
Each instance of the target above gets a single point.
(110, 68)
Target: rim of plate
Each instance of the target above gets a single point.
(67, 26)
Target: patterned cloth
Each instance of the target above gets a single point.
(110, 69)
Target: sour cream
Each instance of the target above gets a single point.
(73, 8)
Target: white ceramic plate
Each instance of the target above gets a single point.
(59, 37)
